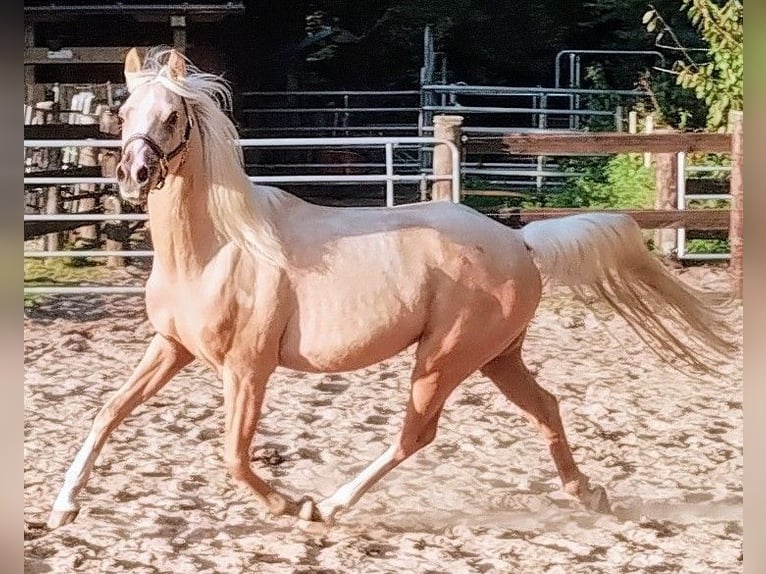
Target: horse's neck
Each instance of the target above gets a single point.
(183, 234)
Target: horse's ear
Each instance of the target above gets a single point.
(176, 65)
(132, 61)
(132, 66)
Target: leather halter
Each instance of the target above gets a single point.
(164, 158)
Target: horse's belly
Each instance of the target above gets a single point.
(327, 340)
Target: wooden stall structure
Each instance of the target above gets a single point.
(74, 54)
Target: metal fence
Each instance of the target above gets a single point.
(486, 110)
(683, 171)
(388, 177)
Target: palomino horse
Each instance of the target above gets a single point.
(246, 278)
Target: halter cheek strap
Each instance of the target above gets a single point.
(165, 158)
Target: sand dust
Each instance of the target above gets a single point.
(484, 497)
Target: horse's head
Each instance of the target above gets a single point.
(156, 126)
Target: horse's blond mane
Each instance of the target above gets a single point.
(238, 213)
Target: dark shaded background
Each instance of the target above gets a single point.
(379, 43)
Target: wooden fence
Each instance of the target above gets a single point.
(665, 145)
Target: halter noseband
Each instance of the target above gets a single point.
(164, 158)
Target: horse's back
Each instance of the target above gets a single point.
(377, 278)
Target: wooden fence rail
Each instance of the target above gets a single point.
(666, 145)
(700, 219)
(609, 143)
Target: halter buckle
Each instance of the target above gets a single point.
(164, 168)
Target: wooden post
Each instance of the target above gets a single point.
(29, 70)
(87, 158)
(178, 24)
(666, 196)
(633, 125)
(736, 119)
(112, 204)
(445, 127)
(52, 208)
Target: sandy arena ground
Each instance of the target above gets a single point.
(483, 498)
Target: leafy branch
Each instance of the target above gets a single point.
(717, 81)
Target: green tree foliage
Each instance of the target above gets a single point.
(486, 41)
(717, 78)
(619, 181)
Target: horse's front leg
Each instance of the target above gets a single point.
(243, 392)
(161, 361)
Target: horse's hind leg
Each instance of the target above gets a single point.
(438, 371)
(161, 361)
(513, 378)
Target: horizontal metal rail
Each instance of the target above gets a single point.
(511, 91)
(518, 172)
(388, 178)
(85, 290)
(334, 93)
(707, 168)
(352, 164)
(85, 217)
(504, 110)
(89, 253)
(287, 178)
(368, 128)
(88, 142)
(697, 196)
(332, 110)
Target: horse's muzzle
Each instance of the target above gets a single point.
(136, 178)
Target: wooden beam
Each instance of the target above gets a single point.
(736, 231)
(143, 11)
(65, 132)
(497, 193)
(604, 143)
(700, 219)
(484, 144)
(29, 71)
(78, 55)
(79, 171)
(33, 229)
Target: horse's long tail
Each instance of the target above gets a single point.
(604, 253)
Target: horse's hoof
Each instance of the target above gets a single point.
(60, 518)
(313, 527)
(595, 499)
(279, 505)
(309, 511)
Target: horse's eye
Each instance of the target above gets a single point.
(172, 119)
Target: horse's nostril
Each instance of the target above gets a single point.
(120, 173)
(142, 175)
